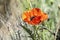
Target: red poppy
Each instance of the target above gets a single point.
(34, 16)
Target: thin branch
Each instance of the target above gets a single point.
(28, 31)
(48, 30)
(57, 29)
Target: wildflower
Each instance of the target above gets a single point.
(34, 16)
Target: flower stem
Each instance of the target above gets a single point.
(29, 2)
(36, 35)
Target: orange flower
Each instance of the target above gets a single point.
(34, 16)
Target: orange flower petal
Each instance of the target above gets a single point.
(34, 16)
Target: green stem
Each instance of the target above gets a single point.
(36, 35)
(29, 2)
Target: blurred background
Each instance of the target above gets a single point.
(13, 28)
